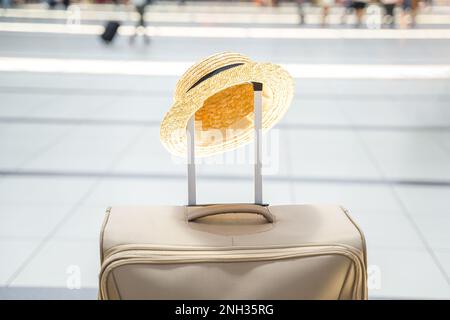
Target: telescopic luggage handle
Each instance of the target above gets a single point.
(190, 130)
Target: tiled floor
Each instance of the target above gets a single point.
(73, 144)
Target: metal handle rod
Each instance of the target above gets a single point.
(192, 197)
(257, 110)
(190, 133)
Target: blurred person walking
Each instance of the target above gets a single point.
(348, 9)
(51, 4)
(66, 3)
(141, 26)
(409, 13)
(389, 15)
(325, 4)
(301, 11)
(360, 7)
(6, 4)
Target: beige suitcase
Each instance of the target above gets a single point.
(307, 252)
(232, 251)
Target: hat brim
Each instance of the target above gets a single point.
(273, 77)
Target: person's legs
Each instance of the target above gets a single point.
(301, 12)
(51, 4)
(141, 10)
(359, 12)
(410, 8)
(142, 24)
(325, 11)
(6, 4)
(389, 14)
(139, 24)
(414, 9)
(359, 16)
(348, 8)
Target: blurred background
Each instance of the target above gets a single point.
(80, 108)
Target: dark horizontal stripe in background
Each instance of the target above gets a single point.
(150, 176)
(156, 123)
(157, 93)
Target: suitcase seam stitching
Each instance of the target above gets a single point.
(345, 279)
(361, 235)
(117, 287)
(364, 249)
(102, 235)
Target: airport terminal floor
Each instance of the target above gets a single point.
(368, 128)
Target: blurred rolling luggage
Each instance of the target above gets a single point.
(110, 31)
(230, 251)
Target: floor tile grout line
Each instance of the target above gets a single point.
(399, 201)
(40, 238)
(162, 93)
(421, 235)
(100, 179)
(439, 144)
(61, 91)
(63, 220)
(45, 148)
(404, 210)
(51, 144)
(178, 176)
(289, 165)
(442, 146)
(51, 233)
(80, 121)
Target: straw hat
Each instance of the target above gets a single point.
(219, 93)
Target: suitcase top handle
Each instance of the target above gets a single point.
(190, 131)
(194, 213)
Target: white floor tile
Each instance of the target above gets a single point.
(330, 153)
(444, 258)
(86, 149)
(42, 191)
(358, 199)
(408, 155)
(443, 139)
(427, 201)
(429, 207)
(35, 221)
(241, 191)
(71, 106)
(387, 87)
(312, 111)
(20, 143)
(406, 274)
(113, 192)
(139, 108)
(391, 231)
(19, 104)
(59, 263)
(240, 162)
(15, 252)
(406, 112)
(373, 208)
(148, 155)
(81, 82)
(435, 230)
(85, 223)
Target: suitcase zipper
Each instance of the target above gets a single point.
(127, 254)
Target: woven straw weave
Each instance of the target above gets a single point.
(223, 104)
